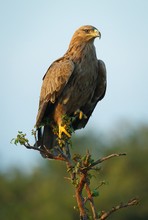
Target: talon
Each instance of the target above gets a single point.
(62, 129)
(81, 114)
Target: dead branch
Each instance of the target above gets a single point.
(131, 202)
(79, 197)
(102, 160)
(91, 200)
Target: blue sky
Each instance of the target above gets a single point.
(35, 33)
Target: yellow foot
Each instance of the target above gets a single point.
(81, 114)
(62, 129)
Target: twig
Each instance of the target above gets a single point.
(28, 146)
(102, 160)
(46, 152)
(90, 198)
(79, 197)
(131, 202)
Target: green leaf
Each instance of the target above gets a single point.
(95, 193)
(20, 139)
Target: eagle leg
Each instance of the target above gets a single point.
(62, 129)
(80, 114)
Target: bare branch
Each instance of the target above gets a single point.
(102, 160)
(80, 199)
(46, 152)
(90, 198)
(131, 202)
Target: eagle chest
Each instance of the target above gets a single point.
(81, 87)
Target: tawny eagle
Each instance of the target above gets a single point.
(73, 83)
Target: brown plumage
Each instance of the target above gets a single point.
(75, 82)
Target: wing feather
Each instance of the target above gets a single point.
(102, 82)
(99, 93)
(54, 82)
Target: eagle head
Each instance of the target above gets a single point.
(86, 33)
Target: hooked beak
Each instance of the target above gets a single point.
(97, 33)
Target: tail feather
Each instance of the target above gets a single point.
(47, 139)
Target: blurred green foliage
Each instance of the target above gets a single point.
(46, 194)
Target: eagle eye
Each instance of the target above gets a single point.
(86, 31)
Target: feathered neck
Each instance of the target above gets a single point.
(78, 47)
